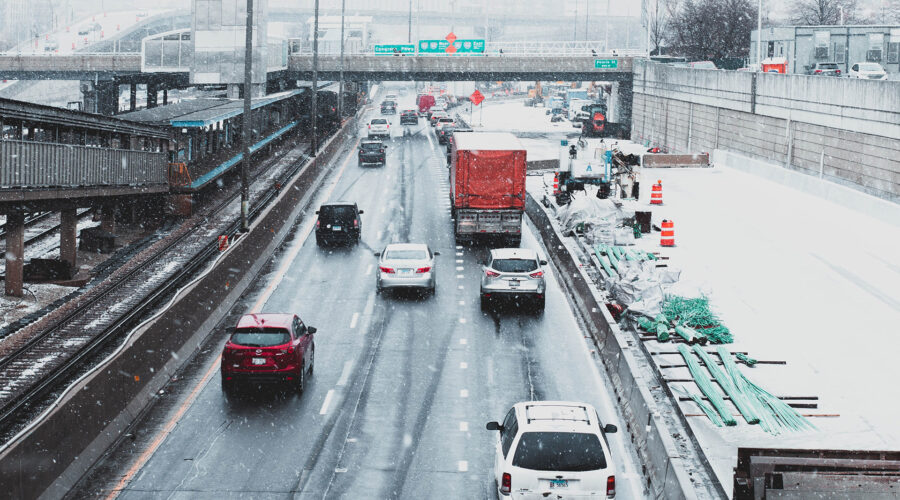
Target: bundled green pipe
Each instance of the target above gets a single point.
(613, 261)
(630, 255)
(609, 271)
(743, 358)
(740, 400)
(695, 313)
(713, 416)
(706, 385)
(689, 334)
(646, 324)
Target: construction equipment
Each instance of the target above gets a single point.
(593, 163)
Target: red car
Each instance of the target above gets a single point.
(269, 348)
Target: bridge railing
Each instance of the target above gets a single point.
(26, 164)
(517, 48)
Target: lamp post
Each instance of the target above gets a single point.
(315, 83)
(409, 27)
(247, 118)
(340, 105)
(759, 35)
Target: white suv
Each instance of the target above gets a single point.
(553, 448)
(379, 127)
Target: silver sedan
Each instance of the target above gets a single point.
(406, 265)
(513, 273)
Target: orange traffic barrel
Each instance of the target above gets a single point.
(555, 182)
(656, 194)
(223, 242)
(667, 237)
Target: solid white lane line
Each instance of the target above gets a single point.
(345, 374)
(463, 466)
(463, 365)
(464, 427)
(353, 320)
(464, 342)
(369, 269)
(463, 393)
(327, 402)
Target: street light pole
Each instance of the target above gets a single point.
(409, 29)
(247, 119)
(315, 83)
(759, 35)
(575, 24)
(340, 105)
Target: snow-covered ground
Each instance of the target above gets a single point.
(68, 39)
(797, 278)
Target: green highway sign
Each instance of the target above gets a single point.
(393, 49)
(606, 63)
(461, 47)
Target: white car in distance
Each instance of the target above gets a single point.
(379, 127)
(553, 449)
(867, 71)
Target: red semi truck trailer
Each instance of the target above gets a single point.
(487, 186)
(424, 102)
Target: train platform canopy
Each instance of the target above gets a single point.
(199, 113)
(49, 115)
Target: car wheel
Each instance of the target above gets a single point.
(301, 381)
(485, 303)
(539, 305)
(312, 361)
(227, 388)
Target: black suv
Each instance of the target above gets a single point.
(388, 108)
(371, 152)
(409, 117)
(338, 222)
(824, 69)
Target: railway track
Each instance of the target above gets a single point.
(31, 372)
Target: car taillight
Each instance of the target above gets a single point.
(289, 350)
(506, 483)
(491, 274)
(818, 71)
(611, 486)
(356, 223)
(837, 71)
(386, 270)
(381, 151)
(536, 274)
(370, 126)
(423, 270)
(318, 222)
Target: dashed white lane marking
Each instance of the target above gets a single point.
(463, 466)
(353, 320)
(462, 321)
(463, 365)
(459, 268)
(460, 276)
(459, 261)
(459, 247)
(463, 393)
(327, 402)
(378, 236)
(369, 269)
(345, 374)
(464, 427)
(383, 209)
(464, 342)
(462, 302)
(459, 254)
(460, 287)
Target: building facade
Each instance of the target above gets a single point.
(803, 46)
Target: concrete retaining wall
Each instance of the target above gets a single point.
(668, 473)
(843, 130)
(52, 456)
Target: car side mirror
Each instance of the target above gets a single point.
(311, 329)
(377, 254)
(493, 426)
(317, 212)
(610, 429)
(437, 253)
(360, 212)
(543, 262)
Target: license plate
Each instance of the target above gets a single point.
(404, 271)
(335, 228)
(514, 284)
(259, 361)
(559, 483)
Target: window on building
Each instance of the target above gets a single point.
(839, 52)
(893, 46)
(822, 40)
(876, 45)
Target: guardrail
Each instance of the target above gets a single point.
(25, 164)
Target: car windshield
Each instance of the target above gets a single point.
(870, 67)
(337, 212)
(559, 451)
(260, 337)
(379, 121)
(828, 66)
(371, 145)
(405, 255)
(514, 265)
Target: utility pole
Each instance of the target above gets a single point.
(340, 105)
(409, 29)
(575, 24)
(315, 83)
(247, 118)
(759, 34)
(587, 17)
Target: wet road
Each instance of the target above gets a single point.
(403, 385)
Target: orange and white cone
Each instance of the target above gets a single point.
(667, 237)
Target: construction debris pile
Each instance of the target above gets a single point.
(755, 404)
(691, 319)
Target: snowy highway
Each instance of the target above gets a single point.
(403, 385)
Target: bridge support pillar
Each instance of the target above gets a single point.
(68, 231)
(152, 95)
(15, 253)
(132, 100)
(165, 97)
(100, 98)
(108, 218)
(622, 93)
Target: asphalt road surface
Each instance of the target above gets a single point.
(403, 384)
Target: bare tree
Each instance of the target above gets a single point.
(824, 12)
(713, 29)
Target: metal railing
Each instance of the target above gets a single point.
(25, 164)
